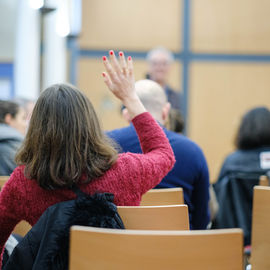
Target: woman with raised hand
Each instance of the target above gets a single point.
(65, 145)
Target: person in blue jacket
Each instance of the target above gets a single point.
(12, 130)
(190, 170)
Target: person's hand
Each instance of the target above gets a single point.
(119, 77)
(120, 80)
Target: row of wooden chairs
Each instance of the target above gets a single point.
(155, 247)
(175, 249)
(214, 249)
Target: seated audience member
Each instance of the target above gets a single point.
(28, 105)
(65, 146)
(241, 171)
(190, 171)
(12, 130)
(159, 64)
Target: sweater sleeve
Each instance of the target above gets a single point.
(148, 169)
(9, 214)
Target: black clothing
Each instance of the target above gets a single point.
(234, 189)
(46, 245)
(175, 98)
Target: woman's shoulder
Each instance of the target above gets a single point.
(19, 171)
(18, 175)
(240, 160)
(246, 155)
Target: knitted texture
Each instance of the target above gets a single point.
(131, 176)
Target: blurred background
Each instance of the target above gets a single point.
(221, 49)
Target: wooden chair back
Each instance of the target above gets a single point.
(166, 217)
(260, 239)
(264, 181)
(3, 180)
(22, 228)
(113, 249)
(163, 196)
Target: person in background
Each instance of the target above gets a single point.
(65, 146)
(27, 104)
(252, 144)
(175, 121)
(159, 62)
(241, 171)
(190, 171)
(12, 131)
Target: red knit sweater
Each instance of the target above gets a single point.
(131, 176)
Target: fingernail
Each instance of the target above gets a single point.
(104, 58)
(111, 52)
(120, 53)
(129, 58)
(103, 74)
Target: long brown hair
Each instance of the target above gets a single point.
(64, 140)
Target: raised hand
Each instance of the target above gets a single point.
(120, 80)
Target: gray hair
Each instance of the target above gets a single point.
(158, 50)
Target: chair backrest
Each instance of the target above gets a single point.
(163, 196)
(98, 248)
(166, 217)
(260, 229)
(22, 228)
(264, 181)
(3, 180)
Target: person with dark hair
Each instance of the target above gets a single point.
(65, 146)
(241, 171)
(12, 129)
(252, 143)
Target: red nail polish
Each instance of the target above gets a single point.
(111, 52)
(103, 74)
(120, 53)
(104, 58)
(129, 58)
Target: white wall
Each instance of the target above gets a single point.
(8, 21)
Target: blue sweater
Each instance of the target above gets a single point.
(190, 171)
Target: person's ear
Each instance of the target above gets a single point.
(8, 118)
(165, 111)
(126, 115)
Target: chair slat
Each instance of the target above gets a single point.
(97, 248)
(260, 229)
(164, 196)
(168, 217)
